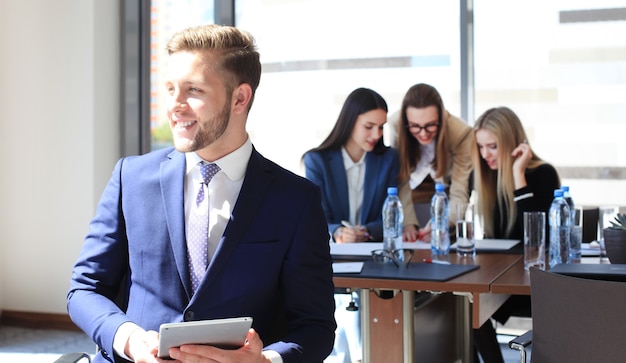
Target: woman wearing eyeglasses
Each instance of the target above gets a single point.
(434, 146)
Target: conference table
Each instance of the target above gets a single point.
(390, 317)
(516, 280)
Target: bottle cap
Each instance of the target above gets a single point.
(558, 192)
(565, 188)
(439, 187)
(392, 191)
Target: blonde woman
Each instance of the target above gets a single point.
(509, 179)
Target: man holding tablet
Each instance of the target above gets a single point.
(260, 251)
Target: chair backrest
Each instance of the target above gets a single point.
(576, 319)
(590, 223)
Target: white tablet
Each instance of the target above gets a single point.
(227, 333)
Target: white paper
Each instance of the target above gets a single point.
(347, 267)
(493, 244)
(590, 249)
(366, 248)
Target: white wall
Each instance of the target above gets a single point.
(59, 102)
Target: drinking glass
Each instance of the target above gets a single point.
(534, 240)
(465, 242)
(465, 239)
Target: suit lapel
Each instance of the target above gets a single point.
(256, 182)
(172, 189)
(372, 173)
(338, 170)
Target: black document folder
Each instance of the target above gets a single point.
(415, 271)
(595, 271)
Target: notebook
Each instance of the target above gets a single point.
(415, 271)
(595, 271)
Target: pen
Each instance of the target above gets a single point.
(349, 225)
(428, 260)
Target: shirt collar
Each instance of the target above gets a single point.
(233, 165)
(347, 160)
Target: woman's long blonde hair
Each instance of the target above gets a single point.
(496, 187)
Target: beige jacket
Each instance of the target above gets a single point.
(460, 141)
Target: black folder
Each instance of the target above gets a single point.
(595, 271)
(415, 271)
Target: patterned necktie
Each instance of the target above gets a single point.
(198, 234)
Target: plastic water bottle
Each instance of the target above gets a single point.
(559, 221)
(439, 212)
(392, 222)
(568, 198)
(575, 233)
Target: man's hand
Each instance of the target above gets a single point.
(250, 352)
(142, 346)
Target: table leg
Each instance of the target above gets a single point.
(388, 323)
(387, 320)
(465, 333)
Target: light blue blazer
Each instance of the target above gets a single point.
(326, 169)
(273, 262)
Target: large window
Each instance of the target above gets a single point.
(315, 53)
(167, 17)
(560, 67)
(559, 64)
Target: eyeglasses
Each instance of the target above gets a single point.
(397, 257)
(415, 128)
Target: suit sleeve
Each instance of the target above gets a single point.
(100, 270)
(410, 218)
(314, 171)
(461, 143)
(389, 178)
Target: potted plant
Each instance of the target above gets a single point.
(615, 239)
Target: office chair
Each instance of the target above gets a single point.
(574, 320)
(590, 223)
(74, 358)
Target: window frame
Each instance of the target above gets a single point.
(135, 77)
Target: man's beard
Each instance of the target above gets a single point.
(208, 132)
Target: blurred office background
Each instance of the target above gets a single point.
(559, 64)
(80, 87)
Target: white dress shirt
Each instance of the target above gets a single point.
(228, 181)
(424, 166)
(355, 174)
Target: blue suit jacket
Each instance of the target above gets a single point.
(326, 169)
(273, 258)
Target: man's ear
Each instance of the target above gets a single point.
(242, 95)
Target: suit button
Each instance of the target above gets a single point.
(189, 315)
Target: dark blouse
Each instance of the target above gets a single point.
(537, 195)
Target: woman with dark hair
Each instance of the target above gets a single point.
(353, 167)
(434, 147)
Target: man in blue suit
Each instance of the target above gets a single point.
(266, 252)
